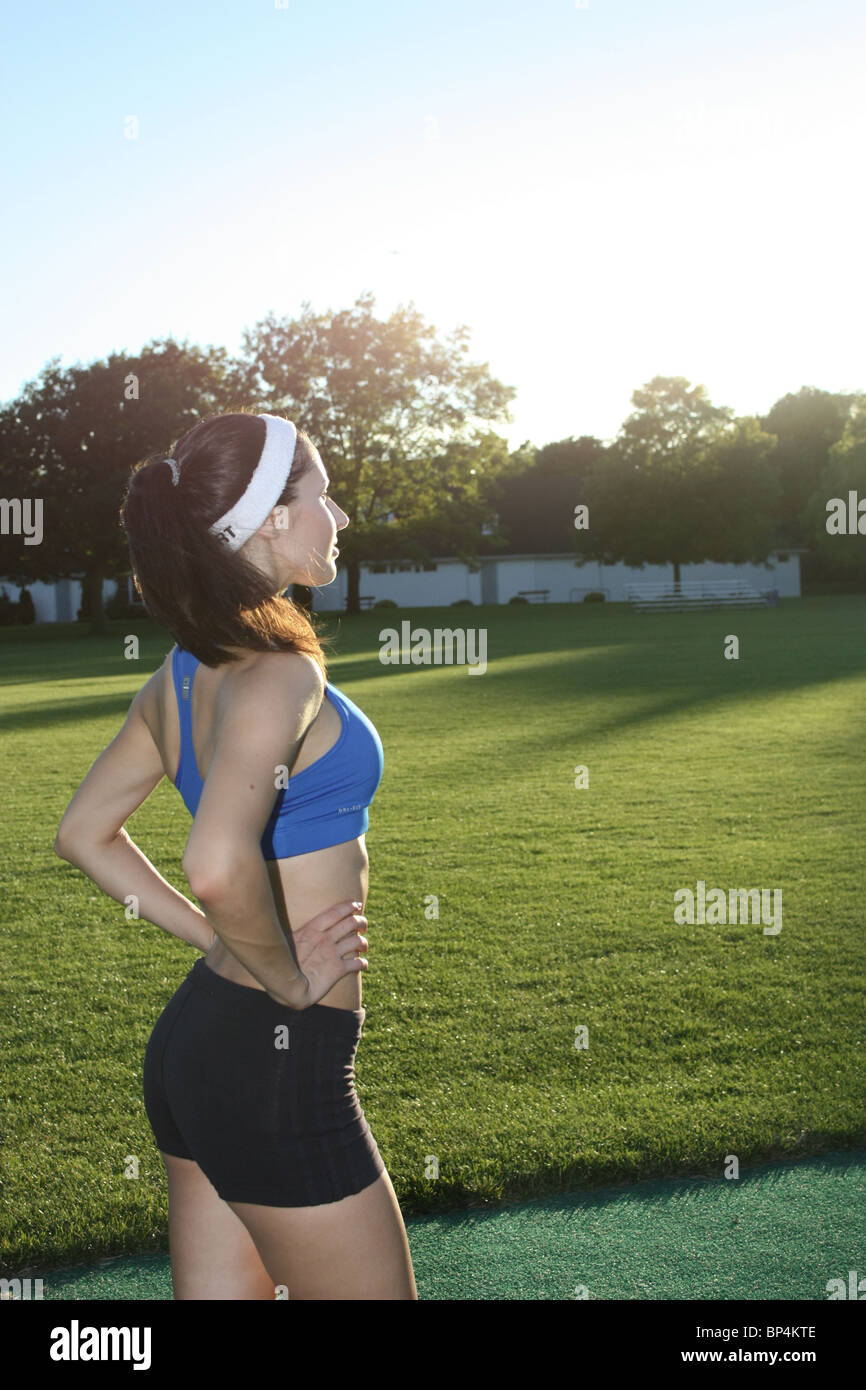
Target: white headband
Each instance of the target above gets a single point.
(264, 487)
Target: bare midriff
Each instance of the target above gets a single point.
(303, 884)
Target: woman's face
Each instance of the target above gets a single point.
(300, 538)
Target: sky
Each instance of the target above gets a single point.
(601, 192)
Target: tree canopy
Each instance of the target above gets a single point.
(400, 418)
(404, 423)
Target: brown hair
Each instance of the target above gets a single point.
(207, 596)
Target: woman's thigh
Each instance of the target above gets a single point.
(355, 1248)
(213, 1255)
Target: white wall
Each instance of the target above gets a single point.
(55, 603)
(611, 580)
(566, 581)
(783, 576)
(452, 580)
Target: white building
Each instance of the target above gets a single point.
(55, 603)
(541, 578)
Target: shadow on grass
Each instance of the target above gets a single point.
(653, 667)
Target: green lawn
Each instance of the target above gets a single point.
(555, 910)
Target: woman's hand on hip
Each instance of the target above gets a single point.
(328, 947)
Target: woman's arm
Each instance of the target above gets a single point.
(91, 833)
(120, 869)
(276, 700)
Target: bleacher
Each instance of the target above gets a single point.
(697, 593)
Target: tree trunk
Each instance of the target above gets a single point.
(676, 575)
(353, 587)
(92, 590)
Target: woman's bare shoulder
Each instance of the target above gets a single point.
(264, 677)
(279, 666)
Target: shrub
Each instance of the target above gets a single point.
(7, 610)
(17, 614)
(26, 607)
(118, 606)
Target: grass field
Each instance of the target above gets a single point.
(555, 911)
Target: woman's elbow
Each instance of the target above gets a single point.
(61, 849)
(212, 875)
(65, 844)
(208, 887)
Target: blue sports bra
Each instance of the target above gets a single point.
(325, 804)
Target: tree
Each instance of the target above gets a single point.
(535, 500)
(71, 438)
(806, 424)
(672, 422)
(843, 555)
(683, 482)
(397, 417)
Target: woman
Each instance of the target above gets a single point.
(274, 1178)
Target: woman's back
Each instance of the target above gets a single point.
(185, 703)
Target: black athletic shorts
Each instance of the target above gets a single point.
(261, 1096)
